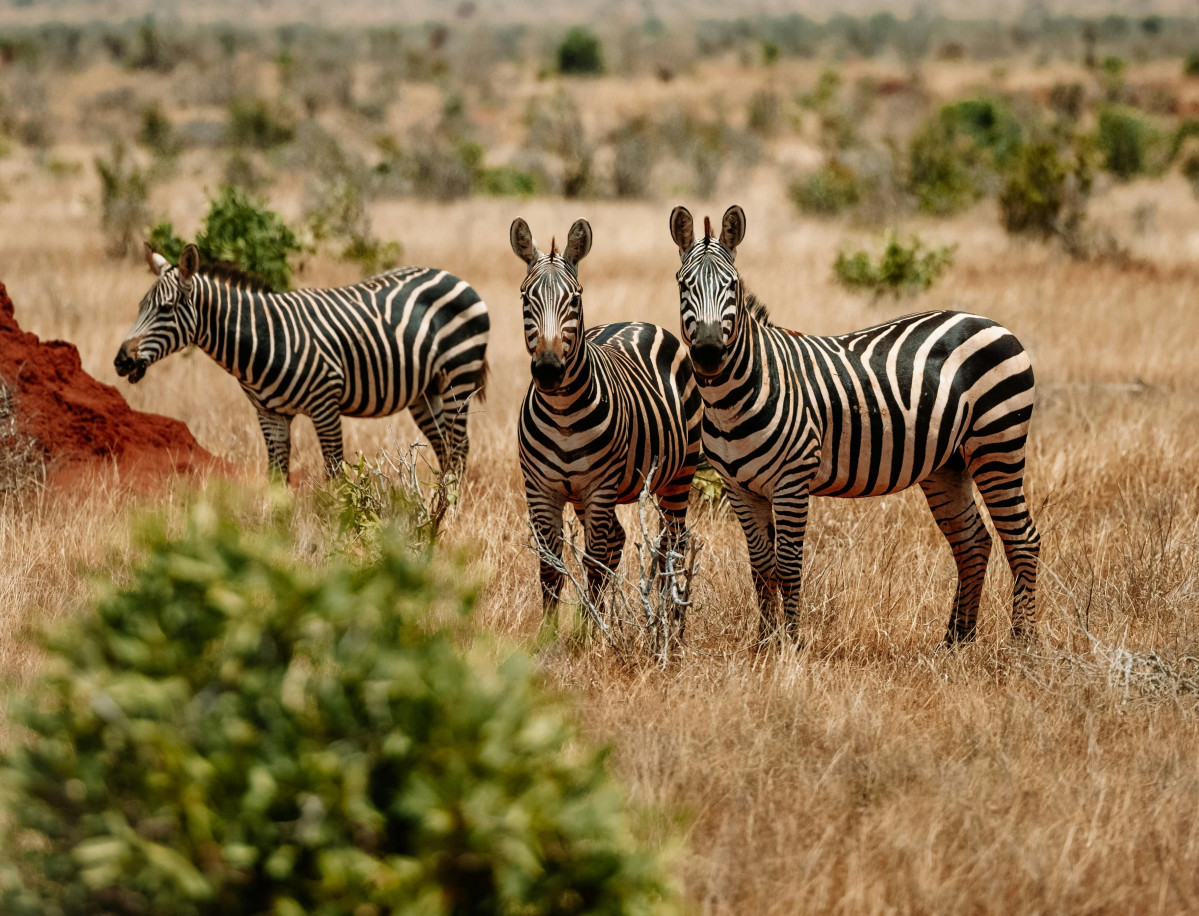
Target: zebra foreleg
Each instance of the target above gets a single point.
(327, 421)
(545, 517)
(672, 502)
(757, 521)
(604, 537)
(276, 430)
(952, 503)
(791, 524)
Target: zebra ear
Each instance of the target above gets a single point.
(156, 262)
(189, 262)
(523, 245)
(682, 228)
(732, 227)
(578, 241)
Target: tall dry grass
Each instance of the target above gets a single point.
(873, 772)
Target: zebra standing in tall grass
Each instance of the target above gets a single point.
(608, 409)
(938, 399)
(412, 337)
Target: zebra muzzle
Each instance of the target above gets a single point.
(548, 371)
(130, 368)
(707, 356)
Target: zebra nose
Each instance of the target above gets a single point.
(125, 359)
(548, 370)
(706, 355)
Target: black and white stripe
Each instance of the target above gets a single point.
(938, 399)
(608, 408)
(411, 338)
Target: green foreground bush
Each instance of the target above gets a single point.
(237, 733)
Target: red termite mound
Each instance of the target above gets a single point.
(79, 422)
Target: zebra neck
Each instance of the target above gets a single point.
(742, 366)
(229, 318)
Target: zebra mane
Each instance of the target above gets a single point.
(757, 310)
(553, 247)
(235, 276)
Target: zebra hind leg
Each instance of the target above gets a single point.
(1002, 489)
(443, 423)
(951, 500)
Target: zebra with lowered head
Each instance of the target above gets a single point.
(412, 337)
(939, 399)
(608, 409)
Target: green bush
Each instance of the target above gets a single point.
(239, 733)
(990, 125)
(124, 199)
(944, 166)
(1124, 139)
(1190, 64)
(830, 190)
(580, 52)
(506, 181)
(157, 133)
(1032, 197)
(900, 269)
(765, 113)
(258, 125)
(240, 231)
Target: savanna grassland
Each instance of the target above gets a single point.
(872, 772)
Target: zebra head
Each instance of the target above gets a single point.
(711, 299)
(166, 318)
(552, 301)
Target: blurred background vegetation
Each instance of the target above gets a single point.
(842, 110)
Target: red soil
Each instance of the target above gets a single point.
(81, 423)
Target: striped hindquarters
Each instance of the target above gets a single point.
(898, 400)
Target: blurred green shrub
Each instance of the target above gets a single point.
(157, 132)
(943, 166)
(1032, 197)
(899, 270)
(240, 231)
(507, 181)
(1190, 64)
(124, 199)
(830, 190)
(765, 114)
(336, 208)
(235, 732)
(254, 123)
(990, 125)
(1124, 138)
(580, 52)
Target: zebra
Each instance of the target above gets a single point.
(412, 337)
(608, 410)
(938, 399)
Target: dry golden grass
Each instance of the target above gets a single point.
(872, 772)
